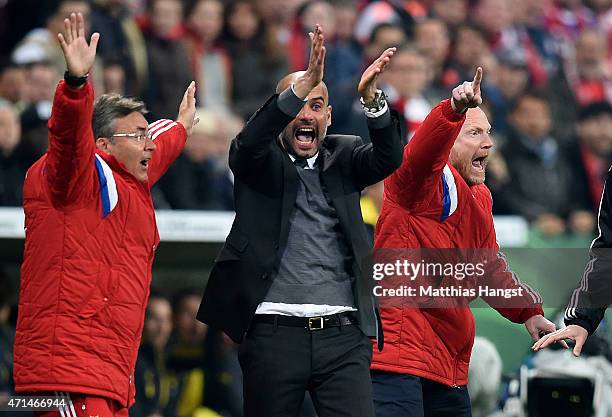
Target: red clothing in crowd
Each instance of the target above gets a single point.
(591, 91)
(595, 169)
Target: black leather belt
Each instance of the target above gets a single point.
(310, 323)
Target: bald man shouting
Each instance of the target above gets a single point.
(437, 199)
(288, 283)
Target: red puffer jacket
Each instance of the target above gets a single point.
(90, 241)
(427, 204)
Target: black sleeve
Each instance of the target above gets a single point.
(589, 301)
(251, 147)
(375, 161)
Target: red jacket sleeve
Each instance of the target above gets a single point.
(518, 308)
(425, 156)
(69, 167)
(169, 137)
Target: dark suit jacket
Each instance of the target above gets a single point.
(265, 190)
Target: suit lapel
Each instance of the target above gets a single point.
(325, 158)
(330, 173)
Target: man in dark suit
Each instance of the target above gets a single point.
(291, 273)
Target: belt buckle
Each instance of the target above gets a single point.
(315, 323)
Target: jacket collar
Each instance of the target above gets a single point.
(112, 162)
(119, 168)
(310, 161)
(323, 158)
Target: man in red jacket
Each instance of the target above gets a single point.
(437, 199)
(90, 240)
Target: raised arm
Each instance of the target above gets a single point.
(251, 147)
(70, 158)
(170, 136)
(374, 162)
(428, 151)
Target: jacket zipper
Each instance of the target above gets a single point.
(455, 362)
(130, 380)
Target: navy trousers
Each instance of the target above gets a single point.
(399, 395)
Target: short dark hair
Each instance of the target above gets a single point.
(382, 26)
(158, 293)
(474, 27)
(594, 109)
(52, 7)
(533, 95)
(181, 295)
(110, 107)
(7, 64)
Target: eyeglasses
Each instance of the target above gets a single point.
(139, 136)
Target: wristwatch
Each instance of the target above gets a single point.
(73, 81)
(375, 105)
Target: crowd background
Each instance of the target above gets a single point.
(547, 91)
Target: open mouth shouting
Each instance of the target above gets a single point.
(480, 163)
(305, 138)
(144, 163)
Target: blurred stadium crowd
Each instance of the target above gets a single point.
(547, 91)
(547, 64)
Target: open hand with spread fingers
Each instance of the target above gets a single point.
(367, 84)
(467, 95)
(316, 65)
(78, 54)
(572, 332)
